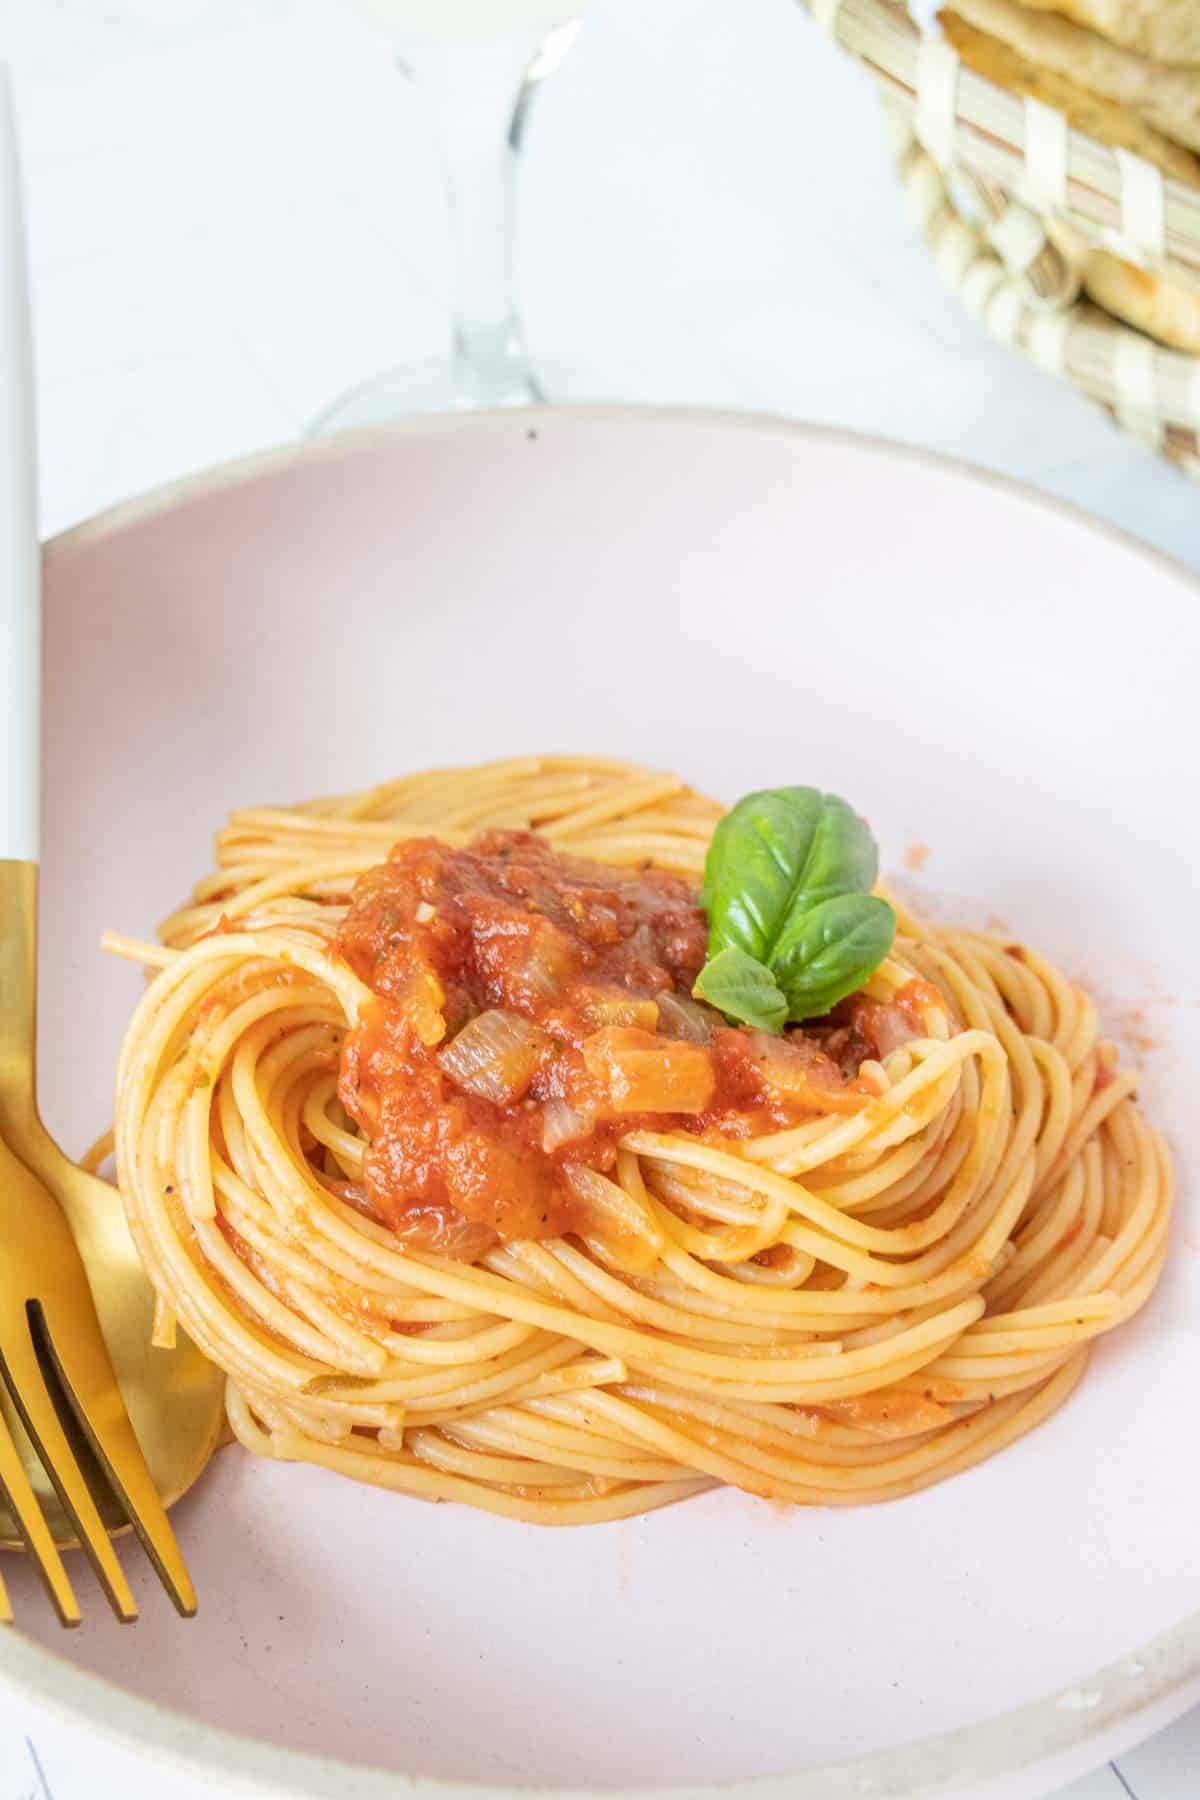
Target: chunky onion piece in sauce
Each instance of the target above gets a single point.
(496, 1056)
(531, 1010)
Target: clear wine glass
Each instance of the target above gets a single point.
(480, 62)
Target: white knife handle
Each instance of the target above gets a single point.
(20, 553)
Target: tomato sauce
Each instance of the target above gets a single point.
(530, 1010)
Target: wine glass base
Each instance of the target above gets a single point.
(431, 387)
(425, 387)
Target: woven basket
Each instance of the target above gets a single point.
(982, 170)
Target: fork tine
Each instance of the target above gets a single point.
(30, 1396)
(86, 1376)
(22, 1503)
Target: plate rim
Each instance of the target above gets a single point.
(237, 471)
(1162, 1676)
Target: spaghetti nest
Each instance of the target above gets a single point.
(845, 1310)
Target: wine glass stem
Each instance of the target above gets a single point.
(482, 94)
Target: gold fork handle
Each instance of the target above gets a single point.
(20, 633)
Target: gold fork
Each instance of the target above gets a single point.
(55, 1369)
(64, 1414)
(50, 1339)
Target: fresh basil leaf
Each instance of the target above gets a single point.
(842, 859)
(754, 862)
(829, 952)
(787, 890)
(776, 855)
(740, 987)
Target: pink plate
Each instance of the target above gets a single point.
(749, 603)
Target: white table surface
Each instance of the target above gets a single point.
(235, 214)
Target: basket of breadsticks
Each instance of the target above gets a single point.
(1049, 153)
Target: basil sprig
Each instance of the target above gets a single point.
(743, 989)
(793, 925)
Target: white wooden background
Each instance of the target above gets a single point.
(235, 214)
